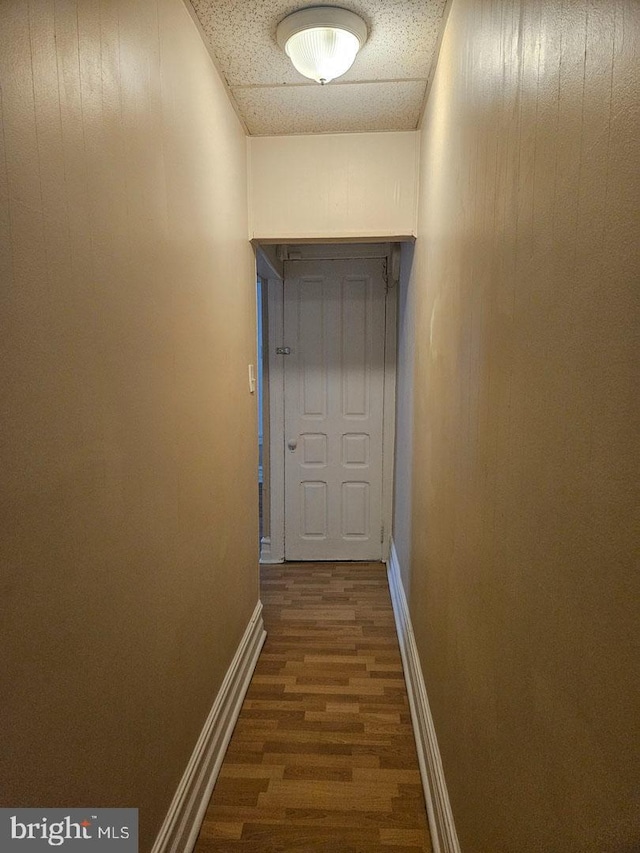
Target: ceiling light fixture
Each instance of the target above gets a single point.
(322, 41)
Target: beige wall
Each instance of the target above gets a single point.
(524, 581)
(129, 544)
(336, 186)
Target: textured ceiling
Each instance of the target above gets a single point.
(383, 90)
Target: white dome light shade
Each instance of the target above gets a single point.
(322, 54)
(322, 41)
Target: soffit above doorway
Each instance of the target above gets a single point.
(383, 91)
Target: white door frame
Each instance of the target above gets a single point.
(275, 300)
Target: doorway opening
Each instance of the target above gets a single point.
(335, 304)
(259, 361)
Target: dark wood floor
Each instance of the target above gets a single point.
(323, 755)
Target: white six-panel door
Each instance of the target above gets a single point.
(334, 327)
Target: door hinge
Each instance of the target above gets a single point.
(382, 534)
(385, 273)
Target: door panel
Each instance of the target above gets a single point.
(313, 504)
(334, 315)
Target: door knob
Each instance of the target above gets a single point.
(292, 444)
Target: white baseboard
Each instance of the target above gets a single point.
(181, 826)
(443, 831)
(265, 549)
(266, 555)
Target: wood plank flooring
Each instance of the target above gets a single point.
(323, 756)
